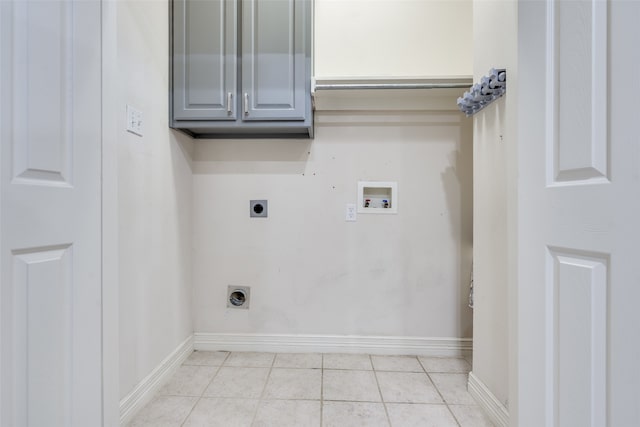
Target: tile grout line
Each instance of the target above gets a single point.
(384, 404)
(205, 387)
(264, 389)
(439, 393)
(321, 386)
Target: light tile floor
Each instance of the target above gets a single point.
(299, 390)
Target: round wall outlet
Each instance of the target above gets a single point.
(258, 208)
(238, 297)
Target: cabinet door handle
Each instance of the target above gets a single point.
(246, 103)
(229, 100)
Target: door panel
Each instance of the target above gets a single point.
(43, 98)
(273, 59)
(43, 306)
(578, 206)
(205, 59)
(577, 91)
(50, 256)
(577, 288)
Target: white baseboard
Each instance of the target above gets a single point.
(333, 344)
(147, 388)
(496, 411)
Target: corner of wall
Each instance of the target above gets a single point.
(154, 173)
(496, 411)
(144, 391)
(495, 46)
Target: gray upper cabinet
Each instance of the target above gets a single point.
(265, 45)
(205, 52)
(273, 58)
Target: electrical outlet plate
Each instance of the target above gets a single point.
(258, 208)
(351, 214)
(134, 120)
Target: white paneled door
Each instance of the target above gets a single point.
(50, 213)
(578, 350)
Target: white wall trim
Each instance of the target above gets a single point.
(146, 389)
(488, 402)
(333, 344)
(110, 253)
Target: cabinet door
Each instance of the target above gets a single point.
(275, 37)
(205, 52)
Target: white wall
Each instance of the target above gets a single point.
(392, 38)
(494, 134)
(154, 200)
(310, 271)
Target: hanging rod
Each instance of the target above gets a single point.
(359, 86)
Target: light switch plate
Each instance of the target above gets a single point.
(134, 120)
